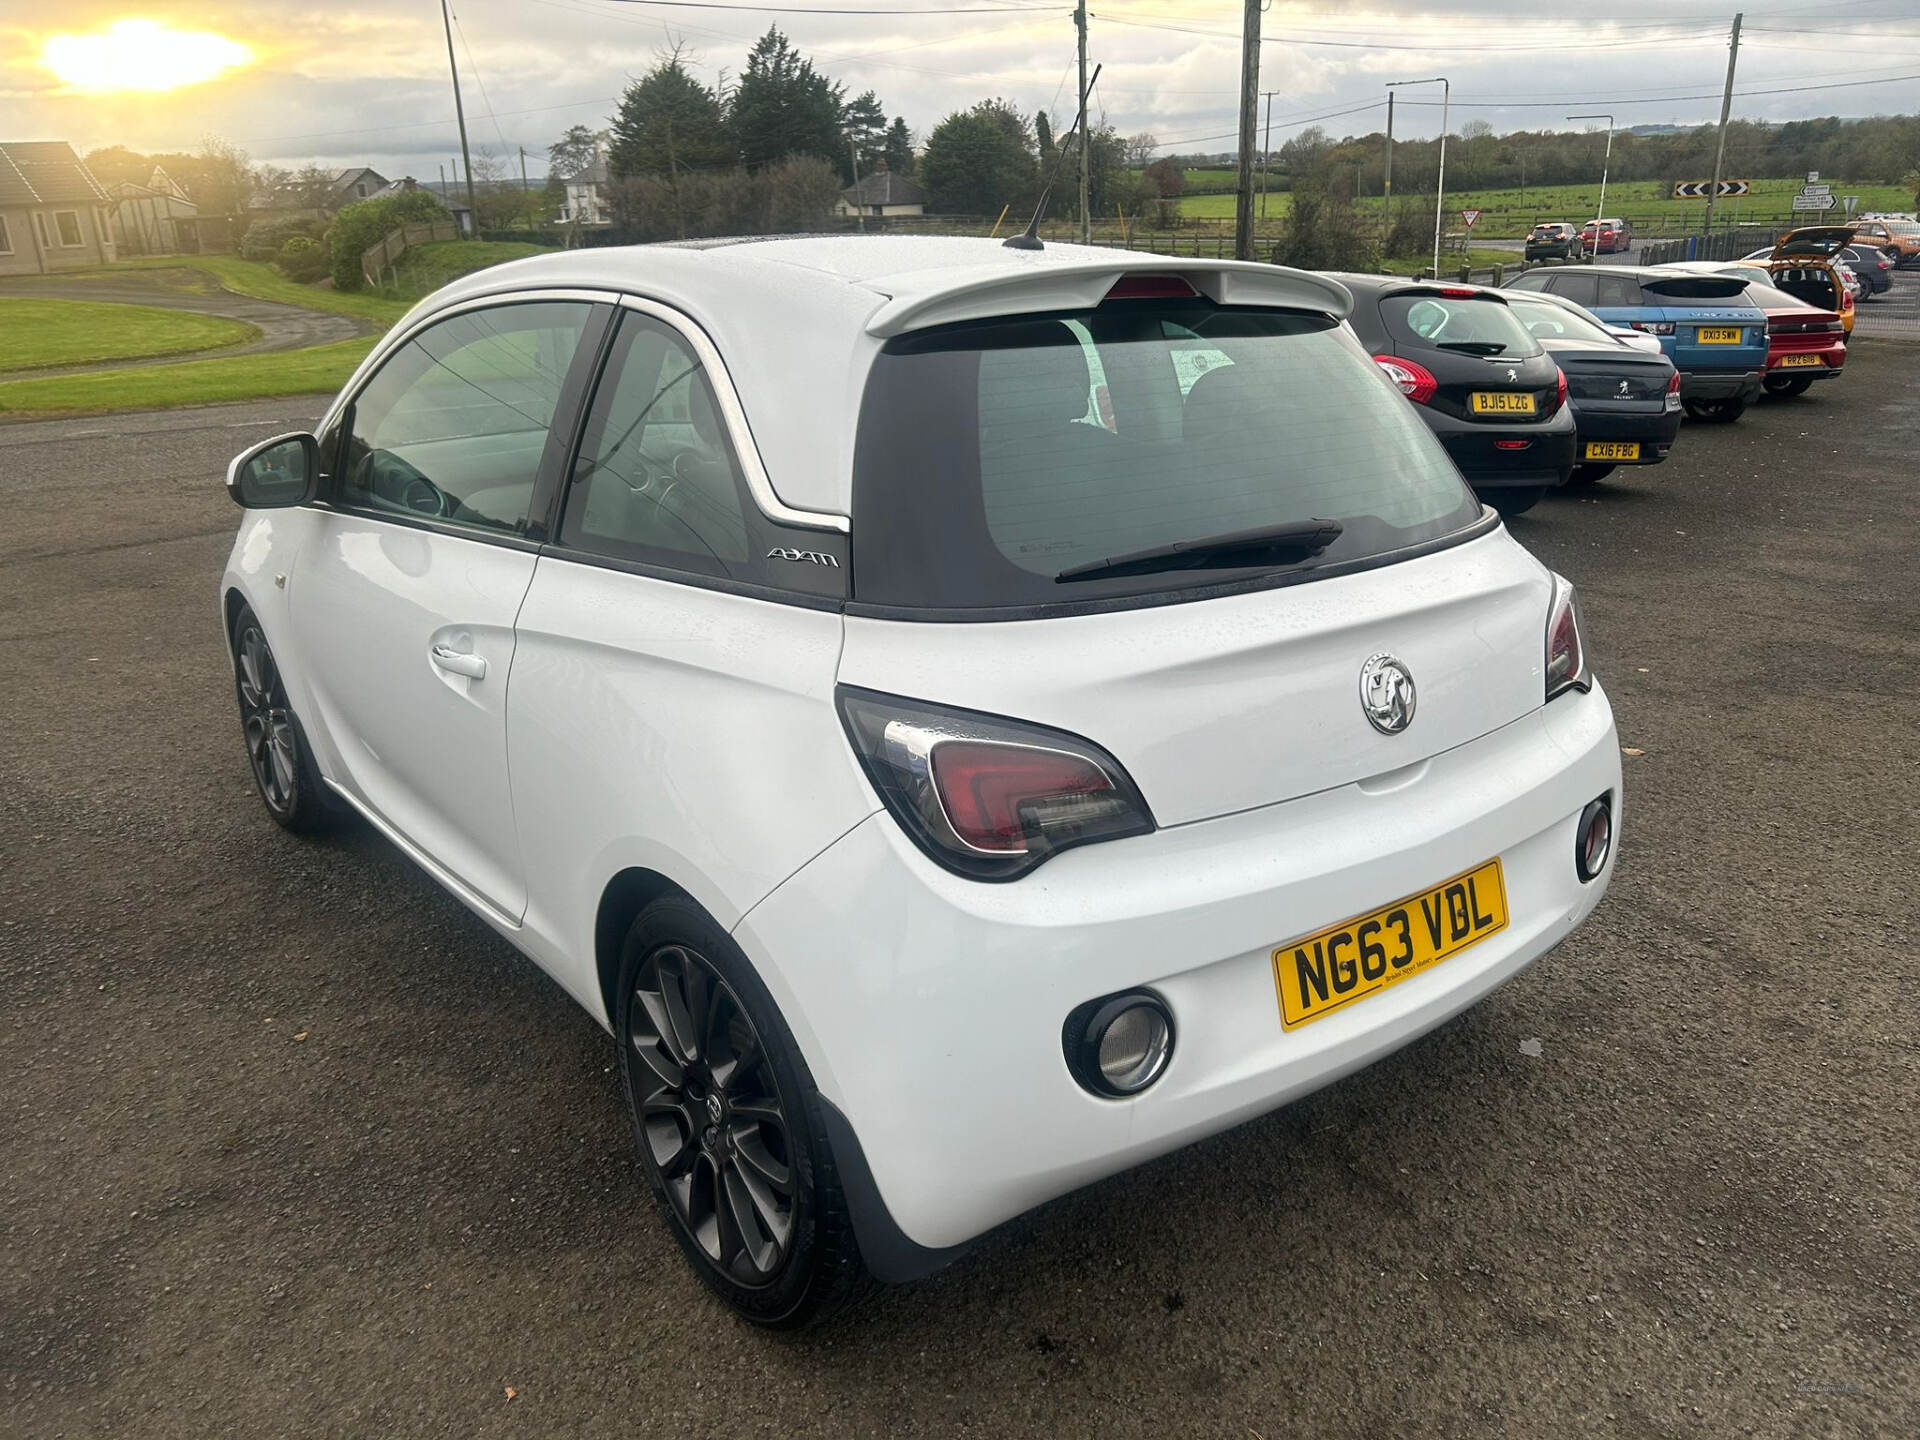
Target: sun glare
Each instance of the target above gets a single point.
(141, 55)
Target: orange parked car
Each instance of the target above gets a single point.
(1899, 237)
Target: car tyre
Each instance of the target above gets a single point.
(1716, 412)
(1516, 500)
(1587, 474)
(1788, 386)
(284, 774)
(728, 1124)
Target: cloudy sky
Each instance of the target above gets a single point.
(365, 81)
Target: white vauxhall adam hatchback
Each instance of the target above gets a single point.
(967, 720)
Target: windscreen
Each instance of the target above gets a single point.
(1693, 287)
(995, 456)
(1479, 325)
(1556, 322)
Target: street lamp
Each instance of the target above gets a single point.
(1440, 186)
(1604, 164)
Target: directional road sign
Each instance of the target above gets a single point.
(1699, 189)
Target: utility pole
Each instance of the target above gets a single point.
(1266, 155)
(1605, 165)
(859, 211)
(1726, 109)
(1440, 186)
(1086, 215)
(1249, 117)
(460, 115)
(1386, 178)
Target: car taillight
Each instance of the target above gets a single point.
(1846, 299)
(1414, 380)
(1560, 398)
(1566, 655)
(1673, 391)
(987, 797)
(1653, 327)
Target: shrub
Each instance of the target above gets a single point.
(265, 238)
(369, 222)
(302, 258)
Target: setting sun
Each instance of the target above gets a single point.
(141, 55)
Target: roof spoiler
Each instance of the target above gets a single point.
(922, 299)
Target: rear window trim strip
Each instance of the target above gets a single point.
(1488, 522)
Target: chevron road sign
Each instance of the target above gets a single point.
(1698, 189)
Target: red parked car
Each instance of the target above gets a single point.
(1606, 237)
(1804, 343)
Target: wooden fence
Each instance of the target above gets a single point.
(381, 258)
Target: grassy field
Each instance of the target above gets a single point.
(1647, 203)
(426, 268)
(191, 382)
(38, 334)
(1451, 261)
(263, 282)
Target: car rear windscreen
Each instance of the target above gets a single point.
(994, 455)
(1477, 325)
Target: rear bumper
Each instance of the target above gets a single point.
(1720, 384)
(1548, 458)
(1654, 432)
(1832, 360)
(930, 1007)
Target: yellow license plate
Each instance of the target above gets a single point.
(1613, 450)
(1363, 956)
(1720, 337)
(1500, 402)
(1797, 361)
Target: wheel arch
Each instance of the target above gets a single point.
(231, 604)
(621, 901)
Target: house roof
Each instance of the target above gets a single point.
(45, 172)
(884, 187)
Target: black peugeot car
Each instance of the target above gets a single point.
(1485, 386)
(1626, 402)
(1554, 240)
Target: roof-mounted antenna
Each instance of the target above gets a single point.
(1029, 238)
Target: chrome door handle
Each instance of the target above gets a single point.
(460, 662)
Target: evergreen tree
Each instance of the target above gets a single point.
(668, 123)
(978, 160)
(1043, 136)
(865, 123)
(899, 150)
(783, 106)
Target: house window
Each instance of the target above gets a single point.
(67, 222)
(6, 240)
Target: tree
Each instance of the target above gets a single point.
(899, 147)
(978, 160)
(1165, 179)
(367, 222)
(571, 153)
(865, 124)
(783, 106)
(1043, 139)
(800, 193)
(668, 123)
(225, 178)
(1138, 150)
(311, 188)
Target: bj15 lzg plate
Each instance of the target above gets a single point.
(1501, 402)
(1361, 957)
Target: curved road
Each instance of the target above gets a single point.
(281, 327)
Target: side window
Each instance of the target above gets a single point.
(657, 480)
(1577, 288)
(453, 425)
(1616, 289)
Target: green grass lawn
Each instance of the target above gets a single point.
(263, 282)
(426, 268)
(191, 382)
(1452, 260)
(36, 334)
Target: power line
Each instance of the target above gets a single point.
(835, 10)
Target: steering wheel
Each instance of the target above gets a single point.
(386, 477)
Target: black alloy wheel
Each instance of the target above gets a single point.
(728, 1125)
(1587, 474)
(1715, 412)
(287, 781)
(1787, 386)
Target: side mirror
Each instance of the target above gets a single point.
(275, 473)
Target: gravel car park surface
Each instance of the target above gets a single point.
(297, 1146)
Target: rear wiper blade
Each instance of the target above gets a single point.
(1289, 543)
(1473, 347)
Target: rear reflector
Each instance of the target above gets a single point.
(1511, 444)
(1151, 287)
